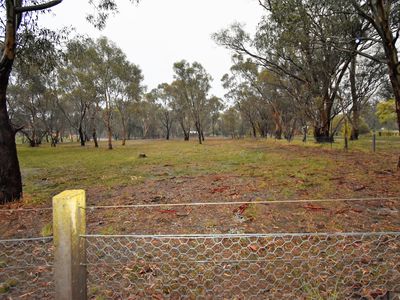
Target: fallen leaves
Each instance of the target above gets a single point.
(313, 207)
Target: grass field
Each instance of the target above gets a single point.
(219, 170)
(295, 168)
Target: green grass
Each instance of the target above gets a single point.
(48, 171)
(47, 230)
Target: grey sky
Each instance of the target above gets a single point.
(156, 33)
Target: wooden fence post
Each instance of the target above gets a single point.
(69, 249)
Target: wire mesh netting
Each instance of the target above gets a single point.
(26, 269)
(244, 266)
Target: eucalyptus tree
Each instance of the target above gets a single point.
(165, 97)
(193, 84)
(128, 90)
(26, 97)
(260, 94)
(181, 109)
(365, 78)
(77, 83)
(294, 40)
(109, 60)
(245, 100)
(231, 122)
(215, 106)
(145, 112)
(16, 17)
(384, 18)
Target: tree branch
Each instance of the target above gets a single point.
(42, 6)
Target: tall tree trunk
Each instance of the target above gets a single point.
(381, 22)
(213, 126)
(253, 126)
(322, 134)
(186, 133)
(356, 106)
(93, 125)
(276, 117)
(94, 135)
(81, 136)
(109, 131)
(123, 130)
(10, 174)
(168, 128)
(322, 128)
(198, 128)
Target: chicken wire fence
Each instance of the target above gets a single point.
(213, 266)
(26, 269)
(240, 266)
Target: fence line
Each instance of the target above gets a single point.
(49, 238)
(266, 202)
(245, 235)
(293, 266)
(197, 266)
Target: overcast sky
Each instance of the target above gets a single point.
(156, 33)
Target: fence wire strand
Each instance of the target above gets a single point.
(218, 203)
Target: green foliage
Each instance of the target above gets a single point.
(363, 127)
(6, 286)
(386, 111)
(47, 230)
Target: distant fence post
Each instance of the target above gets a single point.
(69, 249)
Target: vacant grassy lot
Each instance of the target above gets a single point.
(219, 170)
(262, 172)
(286, 170)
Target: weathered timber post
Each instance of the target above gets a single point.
(69, 248)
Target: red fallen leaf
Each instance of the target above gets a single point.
(158, 297)
(341, 211)
(313, 207)
(253, 248)
(219, 189)
(240, 210)
(168, 211)
(375, 294)
(359, 188)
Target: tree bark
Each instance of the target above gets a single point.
(198, 128)
(123, 130)
(109, 131)
(94, 135)
(381, 23)
(322, 128)
(81, 136)
(10, 174)
(356, 107)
